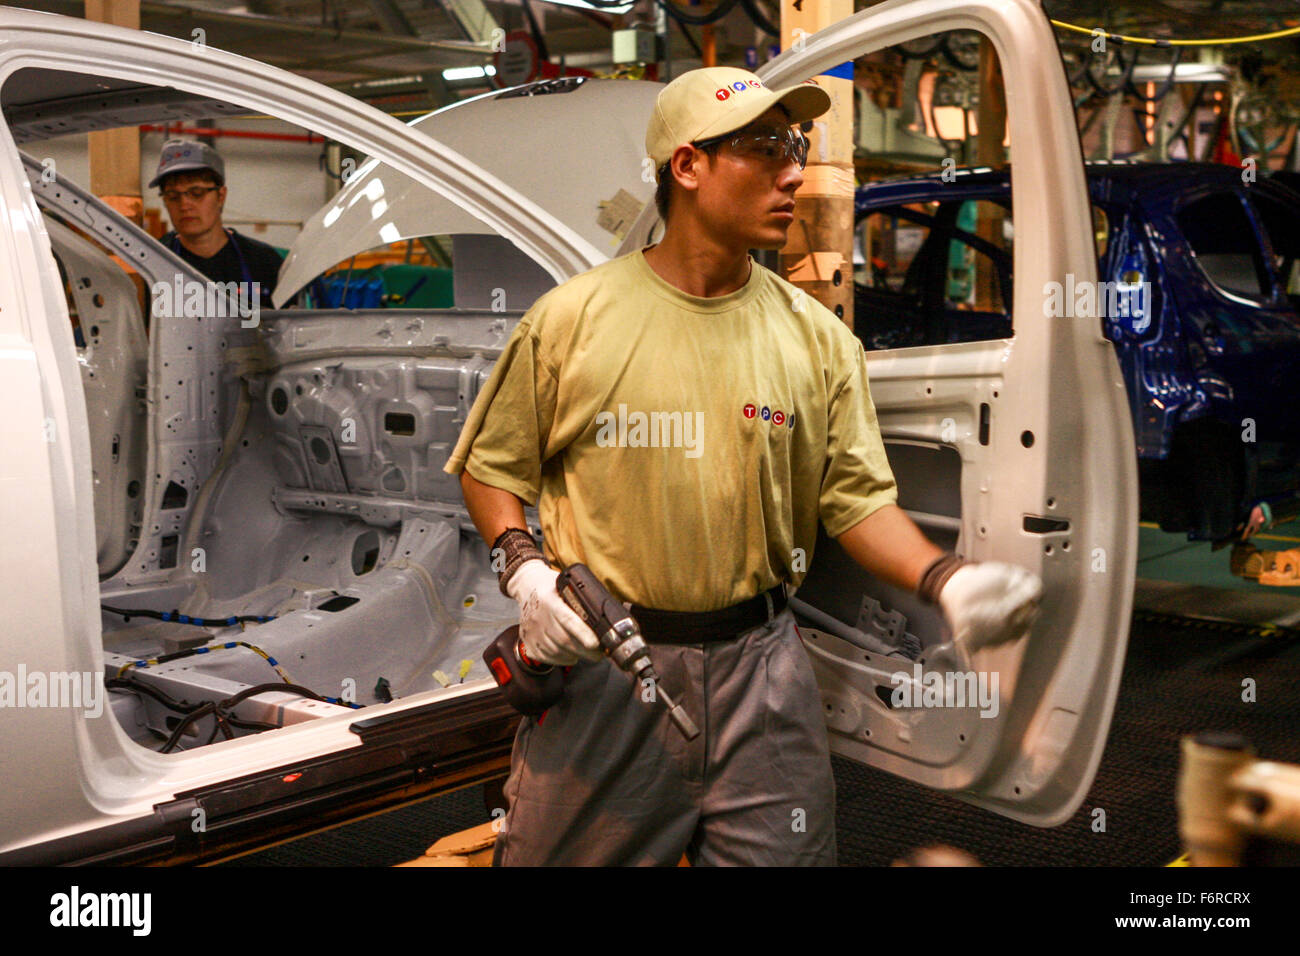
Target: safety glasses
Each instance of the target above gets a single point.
(195, 193)
(775, 144)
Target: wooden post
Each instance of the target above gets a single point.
(115, 153)
(818, 255)
(991, 117)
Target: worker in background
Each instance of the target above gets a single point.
(191, 177)
(704, 528)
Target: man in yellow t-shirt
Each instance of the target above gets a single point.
(684, 419)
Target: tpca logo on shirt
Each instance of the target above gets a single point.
(768, 414)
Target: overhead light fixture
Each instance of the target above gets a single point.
(1183, 73)
(469, 72)
(387, 81)
(624, 8)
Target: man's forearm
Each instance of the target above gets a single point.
(890, 545)
(492, 509)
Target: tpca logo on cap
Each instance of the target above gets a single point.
(183, 155)
(188, 151)
(740, 86)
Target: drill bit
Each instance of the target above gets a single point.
(619, 635)
(677, 715)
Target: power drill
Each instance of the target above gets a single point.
(531, 688)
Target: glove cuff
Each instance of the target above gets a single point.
(536, 666)
(936, 576)
(517, 546)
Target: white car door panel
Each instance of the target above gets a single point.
(1015, 450)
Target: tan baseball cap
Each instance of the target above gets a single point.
(718, 99)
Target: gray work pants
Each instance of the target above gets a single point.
(606, 779)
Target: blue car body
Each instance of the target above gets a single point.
(1199, 261)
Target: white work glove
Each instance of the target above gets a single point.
(551, 632)
(990, 603)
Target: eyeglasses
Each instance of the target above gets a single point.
(195, 193)
(772, 145)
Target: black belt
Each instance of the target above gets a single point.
(708, 627)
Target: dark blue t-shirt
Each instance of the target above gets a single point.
(262, 260)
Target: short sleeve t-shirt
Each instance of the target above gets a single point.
(683, 448)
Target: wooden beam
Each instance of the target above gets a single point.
(115, 153)
(991, 118)
(818, 256)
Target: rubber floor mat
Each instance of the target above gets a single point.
(1177, 680)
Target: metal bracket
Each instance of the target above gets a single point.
(888, 626)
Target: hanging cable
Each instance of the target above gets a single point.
(1135, 90)
(697, 20)
(1126, 72)
(760, 19)
(1078, 79)
(1191, 111)
(689, 39)
(607, 4)
(533, 28)
(1148, 41)
(1092, 117)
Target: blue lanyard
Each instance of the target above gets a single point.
(243, 266)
